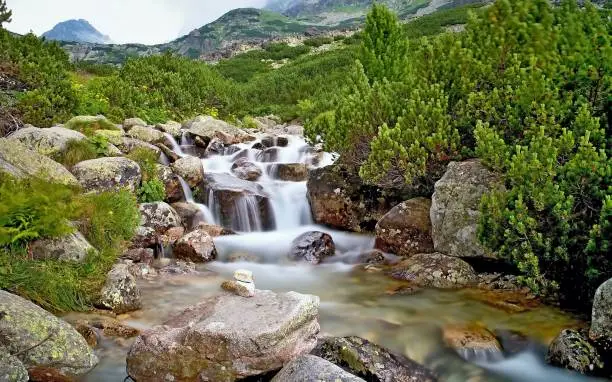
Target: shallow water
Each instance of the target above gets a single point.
(354, 301)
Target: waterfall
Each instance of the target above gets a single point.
(206, 215)
(246, 214)
(175, 146)
(186, 139)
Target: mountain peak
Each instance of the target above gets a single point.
(76, 30)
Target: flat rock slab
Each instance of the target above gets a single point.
(310, 368)
(227, 337)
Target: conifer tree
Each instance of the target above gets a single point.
(5, 13)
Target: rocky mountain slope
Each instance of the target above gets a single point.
(76, 31)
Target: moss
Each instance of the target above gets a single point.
(76, 151)
(89, 124)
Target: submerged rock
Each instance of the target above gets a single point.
(406, 229)
(120, 292)
(189, 168)
(20, 162)
(312, 247)
(455, 209)
(370, 361)
(292, 172)
(310, 368)
(196, 246)
(572, 351)
(435, 270)
(244, 169)
(72, 247)
(268, 155)
(11, 368)
(227, 337)
(106, 174)
(339, 198)
(601, 319)
(159, 216)
(472, 342)
(41, 339)
(48, 141)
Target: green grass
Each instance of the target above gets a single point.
(89, 127)
(76, 151)
(33, 209)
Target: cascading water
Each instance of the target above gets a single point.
(175, 146)
(206, 215)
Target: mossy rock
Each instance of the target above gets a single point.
(49, 142)
(114, 137)
(88, 124)
(105, 174)
(20, 162)
(11, 368)
(43, 339)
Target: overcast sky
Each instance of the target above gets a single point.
(143, 21)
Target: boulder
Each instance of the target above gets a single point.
(310, 368)
(127, 145)
(370, 361)
(144, 237)
(131, 122)
(371, 257)
(406, 229)
(196, 246)
(172, 235)
(472, 342)
(215, 230)
(170, 127)
(188, 213)
(435, 270)
(41, 339)
(189, 168)
(215, 147)
(227, 337)
(20, 162)
(139, 255)
(292, 172)
(231, 194)
(339, 198)
(172, 185)
(11, 368)
(207, 127)
(49, 142)
(312, 247)
(282, 141)
(72, 247)
(572, 351)
(239, 288)
(120, 292)
(601, 319)
(455, 209)
(106, 174)
(146, 134)
(244, 169)
(159, 216)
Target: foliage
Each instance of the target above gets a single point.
(5, 13)
(76, 151)
(526, 88)
(147, 160)
(152, 191)
(435, 23)
(33, 209)
(89, 125)
(318, 41)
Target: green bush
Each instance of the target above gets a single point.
(152, 190)
(147, 160)
(318, 41)
(88, 125)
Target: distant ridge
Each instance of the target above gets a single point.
(76, 31)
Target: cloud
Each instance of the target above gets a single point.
(143, 21)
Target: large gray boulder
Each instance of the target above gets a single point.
(129, 123)
(455, 209)
(49, 142)
(227, 337)
(435, 270)
(601, 319)
(127, 145)
(41, 339)
(72, 247)
(146, 134)
(11, 368)
(170, 127)
(406, 229)
(207, 127)
(120, 292)
(107, 174)
(159, 216)
(20, 162)
(370, 361)
(571, 350)
(189, 168)
(310, 368)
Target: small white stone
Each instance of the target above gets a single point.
(243, 275)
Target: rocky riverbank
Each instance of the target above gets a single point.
(249, 198)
